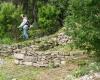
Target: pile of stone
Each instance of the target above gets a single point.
(6, 50)
(63, 39)
(60, 39)
(30, 56)
(93, 76)
(39, 59)
(90, 76)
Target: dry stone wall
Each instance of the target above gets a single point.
(59, 39)
(62, 39)
(29, 56)
(6, 50)
(33, 57)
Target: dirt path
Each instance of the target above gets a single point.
(56, 73)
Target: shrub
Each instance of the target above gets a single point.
(47, 18)
(9, 20)
(83, 23)
(6, 40)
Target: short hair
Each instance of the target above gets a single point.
(23, 15)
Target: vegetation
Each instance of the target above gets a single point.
(81, 18)
(9, 19)
(83, 23)
(10, 71)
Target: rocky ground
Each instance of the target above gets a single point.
(11, 71)
(16, 60)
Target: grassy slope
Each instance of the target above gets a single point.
(75, 67)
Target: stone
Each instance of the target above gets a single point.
(16, 61)
(14, 79)
(49, 57)
(66, 57)
(63, 39)
(56, 62)
(35, 59)
(67, 54)
(17, 50)
(45, 58)
(39, 58)
(35, 65)
(28, 63)
(63, 62)
(21, 62)
(97, 75)
(23, 52)
(28, 58)
(70, 77)
(42, 64)
(5, 53)
(19, 56)
(60, 56)
(54, 55)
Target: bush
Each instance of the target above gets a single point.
(83, 23)
(36, 33)
(47, 18)
(6, 40)
(9, 20)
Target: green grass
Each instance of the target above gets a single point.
(86, 68)
(79, 68)
(20, 72)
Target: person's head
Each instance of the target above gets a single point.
(23, 16)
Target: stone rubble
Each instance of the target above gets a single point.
(93, 76)
(90, 76)
(63, 39)
(33, 55)
(60, 39)
(2, 61)
(27, 56)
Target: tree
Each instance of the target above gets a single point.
(9, 20)
(83, 23)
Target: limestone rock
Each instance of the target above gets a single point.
(19, 56)
(27, 63)
(16, 61)
(63, 62)
(28, 58)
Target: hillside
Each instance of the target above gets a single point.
(73, 66)
(49, 39)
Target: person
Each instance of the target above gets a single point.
(24, 27)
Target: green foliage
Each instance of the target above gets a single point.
(62, 6)
(83, 23)
(36, 33)
(2, 76)
(90, 68)
(9, 20)
(6, 40)
(81, 71)
(47, 18)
